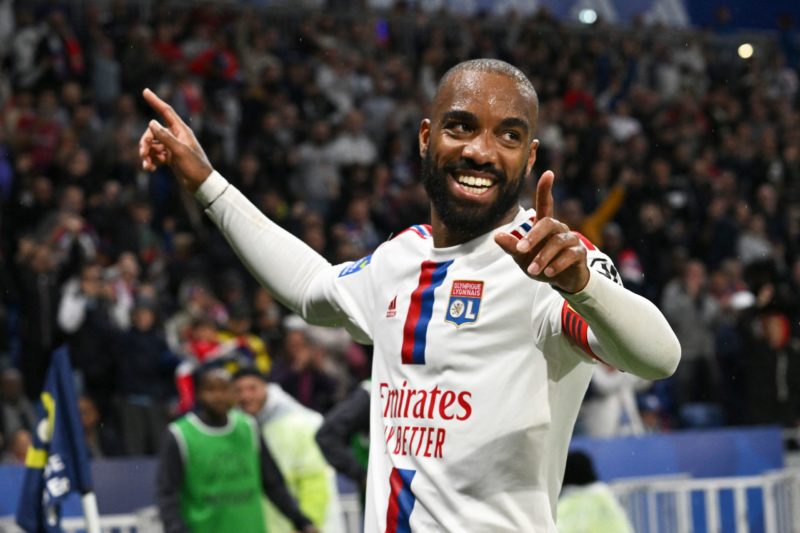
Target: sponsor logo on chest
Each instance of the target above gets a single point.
(464, 304)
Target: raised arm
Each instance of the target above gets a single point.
(633, 334)
(293, 272)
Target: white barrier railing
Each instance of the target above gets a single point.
(146, 520)
(665, 505)
(352, 512)
(654, 504)
(112, 523)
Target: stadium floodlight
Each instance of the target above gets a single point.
(745, 50)
(587, 16)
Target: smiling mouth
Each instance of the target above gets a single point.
(476, 185)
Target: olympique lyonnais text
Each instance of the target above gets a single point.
(421, 404)
(470, 289)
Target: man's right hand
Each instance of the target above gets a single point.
(174, 145)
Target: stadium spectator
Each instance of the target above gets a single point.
(344, 435)
(250, 349)
(317, 177)
(17, 448)
(301, 372)
(610, 408)
(144, 368)
(693, 313)
(16, 411)
(196, 302)
(352, 146)
(101, 439)
(267, 317)
(86, 314)
(770, 360)
(39, 275)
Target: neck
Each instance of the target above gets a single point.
(212, 419)
(444, 237)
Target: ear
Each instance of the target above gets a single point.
(424, 137)
(532, 156)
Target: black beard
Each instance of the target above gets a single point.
(465, 219)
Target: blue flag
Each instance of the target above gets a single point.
(58, 461)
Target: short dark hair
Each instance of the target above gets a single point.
(204, 370)
(579, 470)
(249, 371)
(495, 66)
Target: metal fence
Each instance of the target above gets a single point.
(768, 503)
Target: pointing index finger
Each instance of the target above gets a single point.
(544, 195)
(169, 115)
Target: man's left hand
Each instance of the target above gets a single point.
(550, 252)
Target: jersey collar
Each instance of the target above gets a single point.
(483, 244)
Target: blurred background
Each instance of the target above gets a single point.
(673, 128)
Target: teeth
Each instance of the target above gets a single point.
(474, 182)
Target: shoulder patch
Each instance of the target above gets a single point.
(356, 266)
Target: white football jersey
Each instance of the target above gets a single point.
(475, 390)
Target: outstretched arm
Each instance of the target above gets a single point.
(282, 263)
(632, 332)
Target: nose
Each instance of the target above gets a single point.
(481, 149)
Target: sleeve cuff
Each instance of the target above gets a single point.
(211, 189)
(589, 292)
(301, 522)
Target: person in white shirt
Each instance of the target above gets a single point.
(482, 323)
(610, 408)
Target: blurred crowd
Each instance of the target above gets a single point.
(672, 154)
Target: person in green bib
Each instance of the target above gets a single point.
(214, 468)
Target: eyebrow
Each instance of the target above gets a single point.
(466, 116)
(514, 122)
(459, 115)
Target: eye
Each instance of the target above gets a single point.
(458, 127)
(511, 136)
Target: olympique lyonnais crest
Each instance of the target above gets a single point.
(465, 302)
